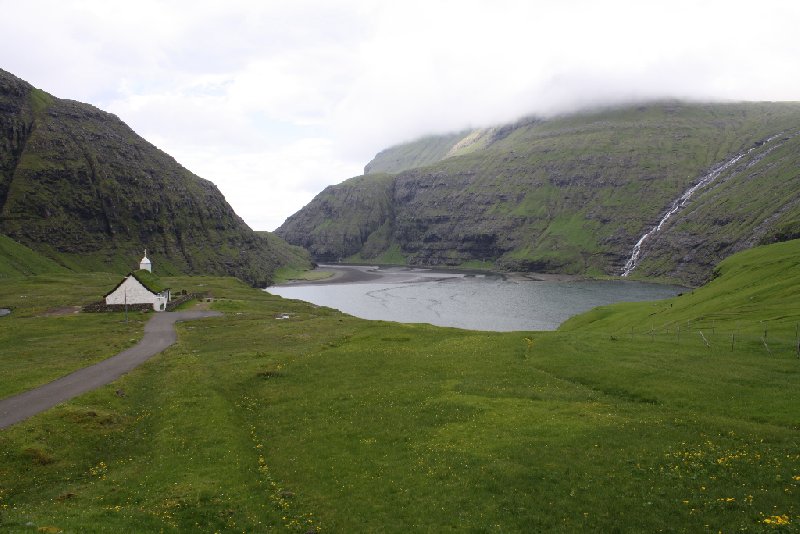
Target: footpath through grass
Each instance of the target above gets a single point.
(45, 338)
(326, 422)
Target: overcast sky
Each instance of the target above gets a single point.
(274, 100)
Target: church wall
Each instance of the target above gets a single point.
(136, 293)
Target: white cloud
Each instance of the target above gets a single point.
(267, 186)
(274, 100)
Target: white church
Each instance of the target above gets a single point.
(140, 287)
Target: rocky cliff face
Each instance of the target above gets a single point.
(752, 202)
(571, 194)
(340, 221)
(80, 186)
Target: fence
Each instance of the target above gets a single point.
(771, 338)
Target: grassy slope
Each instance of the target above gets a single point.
(295, 261)
(19, 260)
(327, 421)
(419, 153)
(756, 288)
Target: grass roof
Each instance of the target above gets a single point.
(149, 280)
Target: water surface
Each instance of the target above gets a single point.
(463, 300)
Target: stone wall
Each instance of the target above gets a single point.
(101, 306)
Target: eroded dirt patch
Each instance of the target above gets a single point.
(57, 312)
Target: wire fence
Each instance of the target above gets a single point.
(771, 339)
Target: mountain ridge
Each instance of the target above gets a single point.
(573, 194)
(80, 187)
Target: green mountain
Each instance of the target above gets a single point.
(81, 188)
(574, 194)
(417, 153)
(434, 148)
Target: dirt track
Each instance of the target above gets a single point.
(159, 333)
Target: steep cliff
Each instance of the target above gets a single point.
(81, 187)
(575, 193)
(345, 219)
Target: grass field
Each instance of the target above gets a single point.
(618, 422)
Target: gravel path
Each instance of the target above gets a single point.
(159, 333)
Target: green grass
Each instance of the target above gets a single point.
(149, 280)
(287, 274)
(325, 421)
(41, 341)
(19, 260)
(391, 256)
(40, 101)
(421, 152)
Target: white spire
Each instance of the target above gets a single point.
(146, 264)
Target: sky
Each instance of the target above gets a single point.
(275, 100)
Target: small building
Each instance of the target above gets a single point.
(145, 264)
(140, 287)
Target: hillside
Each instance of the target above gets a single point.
(626, 419)
(419, 153)
(750, 291)
(80, 187)
(19, 260)
(435, 148)
(575, 193)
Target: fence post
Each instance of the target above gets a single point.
(797, 338)
(704, 339)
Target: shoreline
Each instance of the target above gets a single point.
(516, 276)
(354, 274)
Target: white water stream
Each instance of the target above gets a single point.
(681, 201)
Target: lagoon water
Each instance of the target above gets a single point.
(462, 300)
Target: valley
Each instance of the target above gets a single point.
(674, 415)
(634, 417)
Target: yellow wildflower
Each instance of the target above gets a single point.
(777, 520)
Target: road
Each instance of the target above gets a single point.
(159, 333)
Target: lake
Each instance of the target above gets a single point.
(464, 300)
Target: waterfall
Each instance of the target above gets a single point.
(681, 201)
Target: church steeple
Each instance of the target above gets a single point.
(146, 264)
